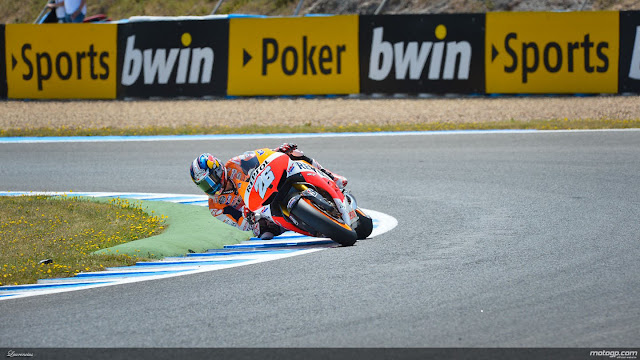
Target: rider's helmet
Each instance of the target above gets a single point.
(208, 173)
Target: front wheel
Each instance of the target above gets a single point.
(323, 223)
(365, 225)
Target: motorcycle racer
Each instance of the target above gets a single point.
(225, 204)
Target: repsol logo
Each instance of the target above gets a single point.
(305, 57)
(409, 59)
(192, 65)
(553, 56)
(63, 65)
(254, 175)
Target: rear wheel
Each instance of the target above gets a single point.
(323, 223)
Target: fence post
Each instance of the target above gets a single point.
(582, 6)
(298, 8)
(380, 7)
(217, 6)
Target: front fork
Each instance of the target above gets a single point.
(346, 207)
(301, 188)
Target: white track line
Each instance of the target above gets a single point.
(61, 139)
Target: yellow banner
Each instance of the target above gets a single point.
(294, 56)
(61, 61)
(548, 52)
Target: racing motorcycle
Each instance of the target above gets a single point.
(301, 198)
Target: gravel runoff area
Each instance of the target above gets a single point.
(316, 111)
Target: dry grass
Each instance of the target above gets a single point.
(45, 118)
(66, 230)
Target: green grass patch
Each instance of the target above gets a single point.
(190, 228)
(67, 230)
(553, 124)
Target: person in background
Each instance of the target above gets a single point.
(59, 6)
(75, 10)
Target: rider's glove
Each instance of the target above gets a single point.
(250, 218)
(286, 148)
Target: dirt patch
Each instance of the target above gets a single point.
(316, 112)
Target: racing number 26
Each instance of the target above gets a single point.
(264, 181)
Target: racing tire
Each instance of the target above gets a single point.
(324, 224)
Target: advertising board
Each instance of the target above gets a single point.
(629, 51)
(61, 61)
(293, 56)
(3, 68)
(173, 58)
(552, 52)
(422, 53)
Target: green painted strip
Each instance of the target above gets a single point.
(190, 228)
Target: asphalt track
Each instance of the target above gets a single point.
(503, 240)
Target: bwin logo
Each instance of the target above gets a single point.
(413, 57)
(190, 61)
(634, 70)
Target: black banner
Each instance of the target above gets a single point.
(173, 58)
(320, 353)
(3, 65)
(422, 53)
(629, 71)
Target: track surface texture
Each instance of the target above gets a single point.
(503, 240)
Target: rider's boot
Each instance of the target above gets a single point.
(340, 180)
